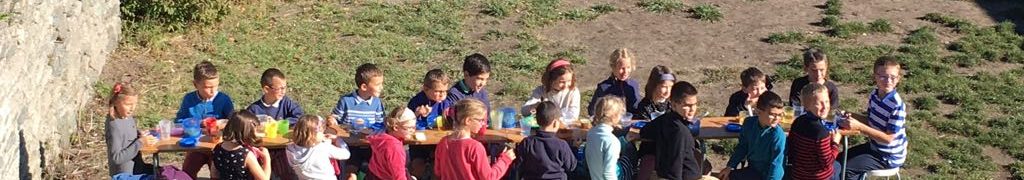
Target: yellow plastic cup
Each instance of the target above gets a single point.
(271, 130)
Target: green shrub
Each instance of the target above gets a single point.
(880, 25)
(787, 37)
(706, 12)
(173, 15)
(498, 8)
(959, 25)
(922, 36)
(604, 8)
(660, 5)
(833, 7)
(579, 15)
(830, 21)
(849, 30)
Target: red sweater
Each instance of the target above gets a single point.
(810, 149)
(388, 160)
(466, 159)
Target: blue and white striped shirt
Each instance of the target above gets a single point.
(888, 114)
(351, 107)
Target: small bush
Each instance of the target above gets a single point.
(830, 21)
(660, 5)
(960, 25)
(880, 25)
(787, 37)
(706, 12)
(579, 15)
(833, 7)
(173, 15)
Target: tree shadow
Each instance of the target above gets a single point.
(1005, 10)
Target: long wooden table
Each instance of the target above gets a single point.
(710, 128)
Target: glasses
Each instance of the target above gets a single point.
(887, 77)
(277, 89)
(775, 116)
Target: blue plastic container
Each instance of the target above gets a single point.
(508, 117)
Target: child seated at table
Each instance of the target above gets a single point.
(886, 127)
(762, 143)
(459, 156)
(237, 158)
(275, 104)
(543, 155)
(811, 148)
(363, 106)
(659, 84)
(122, 135)
(602, 147)
(388, 160)
(311, 153)
(619, 83)
(753, 81)
(676, 148)
(559, 87)
(207, 97)
(476, 70)
(816, 67)
(429, 104)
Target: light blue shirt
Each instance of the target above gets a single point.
(602, 153)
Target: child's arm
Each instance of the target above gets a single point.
(121, 152)
(569, 158)
(183, 109)
(296, 112)
(339, 110)
(741, 150)
(574, 103)
(229, 108)
(337, 153)
(258, 171)
(598, 93)
(611, 159)
(397, 166)
(775, 170)
(483, 169)
(530, 105)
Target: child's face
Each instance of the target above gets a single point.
(275, 91)
(475, 122)
(373, 87)
(663, 90)
(818, 104)
(887, 77)
(404, 129)
(687, 107)
(754, 90)
(437, 93)
(817, 72)
(477, 83)
(206, 88)
(622, 69)
(563, 82)
(125, 107)
(770, 117)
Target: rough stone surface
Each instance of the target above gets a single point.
(51, 53)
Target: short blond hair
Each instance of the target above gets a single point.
(465, 108)
(607, 108)
(619, 54)
(305, 132)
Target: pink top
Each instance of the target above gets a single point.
(388, 159)
(466, 159)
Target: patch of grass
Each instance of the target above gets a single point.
(498, 8)
(706, 12)
(660, 5)
(5, 16)
(833, 7)
(922, 36)
(958, 24)
(830, 21)
(717, 75)
(1017, 170)
(925, 103)
(786, 37)
(880, 25)
(999, 43)
(849, 29)
(604, 8)
(540, 13)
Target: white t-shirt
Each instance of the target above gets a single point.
(315, 162)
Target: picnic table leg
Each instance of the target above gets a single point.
(156, 163)
(846, 145)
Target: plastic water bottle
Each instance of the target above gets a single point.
(525, 126)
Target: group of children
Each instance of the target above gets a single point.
(667, 150)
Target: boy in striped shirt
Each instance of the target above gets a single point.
(811, 149)
(363, 105)
(887, 148)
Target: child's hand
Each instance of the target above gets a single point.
(837, 137)
(510, 153)
(724, 174)
(852, 124)
(265, 154)
(423, 110)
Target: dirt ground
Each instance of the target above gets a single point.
(684, 44)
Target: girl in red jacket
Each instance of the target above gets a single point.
(388, 159)
(460, 157)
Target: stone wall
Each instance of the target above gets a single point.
(51, 53)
